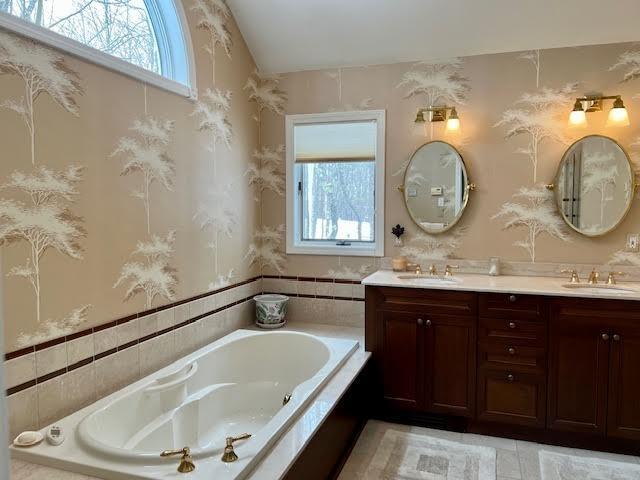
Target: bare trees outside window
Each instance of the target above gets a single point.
(121, 28)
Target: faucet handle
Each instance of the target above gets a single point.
(186, 462)
(229, 455)
(574, 274)
(448, 268)
(232, 440)
(611, 279)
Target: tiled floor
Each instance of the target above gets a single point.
(516, 460)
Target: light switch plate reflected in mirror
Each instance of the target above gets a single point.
(633, 242)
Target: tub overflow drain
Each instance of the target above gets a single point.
(286, 399)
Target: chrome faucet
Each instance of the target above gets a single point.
(229, 455)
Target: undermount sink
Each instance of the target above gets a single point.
(430, 279)
(587, 287)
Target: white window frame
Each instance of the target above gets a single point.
(170, 28)
(297, 246)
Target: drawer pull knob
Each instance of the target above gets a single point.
(512, 325)
(511, 350)
(420, 321)
(512, 298)
(605, 336)
(510, 378)
(428, 323)
(616, 337)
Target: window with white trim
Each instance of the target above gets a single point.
(335, 183)
(141, 38)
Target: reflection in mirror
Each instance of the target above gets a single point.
(594, 185)
(435, 187)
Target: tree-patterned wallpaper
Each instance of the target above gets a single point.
(117, 197)
(514, 109)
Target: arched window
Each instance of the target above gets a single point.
(146, 39)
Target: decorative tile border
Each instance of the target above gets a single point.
(314, 287)
(40, 363)
(55, 353)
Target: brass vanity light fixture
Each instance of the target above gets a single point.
(440, 114)
(618, 115)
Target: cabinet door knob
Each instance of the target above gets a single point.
(511, 350)
(420, 322)
(616, 337)
(512, 325)
(428, 323)
(512, 298)
(510, 378)
(605, 336)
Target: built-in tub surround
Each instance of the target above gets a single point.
(548, 286)
(221, 390)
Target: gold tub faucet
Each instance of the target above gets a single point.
(229, 455)
(186, 462)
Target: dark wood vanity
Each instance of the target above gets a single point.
(552, 369)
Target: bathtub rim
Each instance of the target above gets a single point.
(113, 468)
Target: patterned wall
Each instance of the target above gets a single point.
(118, 197)
(514, 109)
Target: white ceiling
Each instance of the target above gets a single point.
(292, 35)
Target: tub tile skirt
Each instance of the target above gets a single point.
(407, 456)
(557, 466)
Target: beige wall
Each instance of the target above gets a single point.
(113, 219)
(495, 163)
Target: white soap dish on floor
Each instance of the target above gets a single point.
(28, 439)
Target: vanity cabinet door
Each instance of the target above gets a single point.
(578, 374)
(450, 364)
(511, 396)
(624, 383)
(401, 339)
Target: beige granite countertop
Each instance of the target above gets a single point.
(285, 451)
(550, 286)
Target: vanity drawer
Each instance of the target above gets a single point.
(511, 397)
(512, 305)
(504, 355)
(516, 332)
(427, 302)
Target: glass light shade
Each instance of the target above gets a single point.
(453, 124)
(618, 117)
(578, 118)
(420, 129)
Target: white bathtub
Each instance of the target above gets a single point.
(233, 386)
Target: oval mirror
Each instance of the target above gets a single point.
(594, 185)
(436, 189)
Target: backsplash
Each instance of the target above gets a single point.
(514, 109)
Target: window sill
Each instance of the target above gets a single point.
(341, 251)
(71, 47)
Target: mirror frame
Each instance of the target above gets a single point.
(634, 186)
(469, 187)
